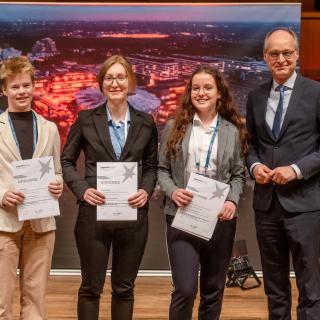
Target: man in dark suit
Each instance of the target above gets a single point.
(283, 119)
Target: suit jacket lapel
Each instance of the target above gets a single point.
(185, 144)
(42, 137)
(8, 136)
(222, 141)
(133, 132)
(293, 103)
(263, 104)
(100, 120)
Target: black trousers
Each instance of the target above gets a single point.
(94, 239)
(186, 254)
(280, 233)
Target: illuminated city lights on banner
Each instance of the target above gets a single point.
(165, 43)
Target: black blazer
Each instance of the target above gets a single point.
(298, 143)
(90, 134)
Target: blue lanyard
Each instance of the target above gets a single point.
(34, 131)
(214, 134)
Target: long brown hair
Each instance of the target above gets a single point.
(224, 107)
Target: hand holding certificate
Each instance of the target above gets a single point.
(200, 216)
(117, 181)
(32, 177)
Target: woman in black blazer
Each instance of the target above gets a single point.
(101, 134)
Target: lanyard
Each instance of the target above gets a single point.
(197, 153)
(34, 131)
(115, 131)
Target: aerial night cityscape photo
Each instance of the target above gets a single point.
(67, 43)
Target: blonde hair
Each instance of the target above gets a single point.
(126, 65)
(14, 66)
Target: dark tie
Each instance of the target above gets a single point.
(277, 117)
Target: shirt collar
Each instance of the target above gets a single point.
(289, 83)
(121, 121)
(197, 121)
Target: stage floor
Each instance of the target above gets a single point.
(152, 296)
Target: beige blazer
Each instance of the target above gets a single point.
(48, 145)
(230, 165)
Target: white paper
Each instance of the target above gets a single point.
(200, 216)
(117, 181)
(32, 177)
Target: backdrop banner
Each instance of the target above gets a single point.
(67, 43)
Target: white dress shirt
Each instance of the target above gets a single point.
(274, 98)
(198, 148)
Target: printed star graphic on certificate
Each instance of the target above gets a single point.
(45, 167)
(128, 173)
(218, 193)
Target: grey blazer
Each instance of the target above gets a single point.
(230, 165)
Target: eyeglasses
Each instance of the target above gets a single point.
(287, 54)
(206, 90)
(120, 79)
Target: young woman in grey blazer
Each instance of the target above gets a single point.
(207, 137)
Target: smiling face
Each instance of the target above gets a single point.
(19, 90)
(115, 85)
(281, 55)
(204, 93)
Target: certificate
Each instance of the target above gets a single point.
(117, 181)
(200, 216)
(32, 177)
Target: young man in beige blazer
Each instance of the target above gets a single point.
(28, 245)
